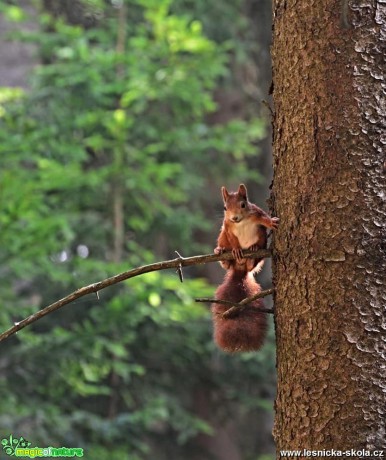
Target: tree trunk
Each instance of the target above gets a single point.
(329, 192)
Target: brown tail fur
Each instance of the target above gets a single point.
(245, 330)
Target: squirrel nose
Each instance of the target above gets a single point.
(235, 218)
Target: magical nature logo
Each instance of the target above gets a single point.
(11, 444)
(20, 447)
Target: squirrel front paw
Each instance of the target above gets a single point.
(254, 247)
(219, 250)
(274, 222)
(238, 255)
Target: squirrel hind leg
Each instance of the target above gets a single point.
(254, 265)
(259, 263)
(226, 264)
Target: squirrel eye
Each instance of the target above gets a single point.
(225, 208)
(243, 204)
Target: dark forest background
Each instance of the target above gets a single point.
(119, 122)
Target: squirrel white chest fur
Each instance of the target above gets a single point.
(246, 232)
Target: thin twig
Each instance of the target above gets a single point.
(95, 287)
(259, 295)
(235, 307)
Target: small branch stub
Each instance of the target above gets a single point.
(179, 268)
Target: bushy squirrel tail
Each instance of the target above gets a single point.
(245, 329)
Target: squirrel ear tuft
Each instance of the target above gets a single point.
(224, 193)
(243, 191)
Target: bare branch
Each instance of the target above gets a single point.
(96, 287)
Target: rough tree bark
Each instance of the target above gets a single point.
(329, 192)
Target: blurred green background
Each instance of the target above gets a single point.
(119, 122)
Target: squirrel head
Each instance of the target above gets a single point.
(236, 204)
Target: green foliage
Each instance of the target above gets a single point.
(103, 132)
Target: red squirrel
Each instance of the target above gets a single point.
(244, 227)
